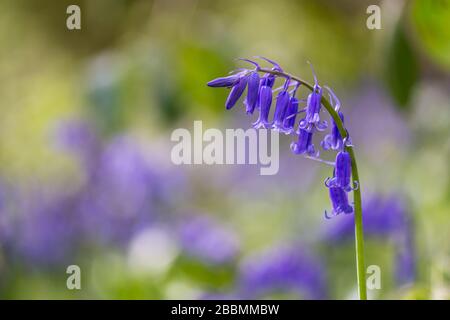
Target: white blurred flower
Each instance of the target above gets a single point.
(152, 251)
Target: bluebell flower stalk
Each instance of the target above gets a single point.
(345, 177)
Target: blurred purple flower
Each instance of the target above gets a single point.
(205, 239)
(128, 191)
(120, 199)
(6, 217)
(372, 102)
(80, 138)
(405, 260)
(45, 230)
(282, 270)
(383, 218)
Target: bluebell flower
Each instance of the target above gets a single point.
(237, 82)
(265, 101)
(304, 144)
(236, 92)
(252, 92)
(333, 140)
(313, 107)
(281, 106)
(268, 79)
(228, 81)
(291, 112)
(285, 270)
(339, 202)
(291, 115)
(342, 172)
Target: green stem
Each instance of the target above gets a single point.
(359, 233)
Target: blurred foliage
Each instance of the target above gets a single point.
(402, 68)
(431, 23)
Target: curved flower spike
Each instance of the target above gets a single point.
(276, 66)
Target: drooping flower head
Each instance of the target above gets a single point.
(284, 119)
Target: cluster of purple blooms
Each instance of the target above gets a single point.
(260, 95)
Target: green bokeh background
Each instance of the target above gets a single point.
(141, 67)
